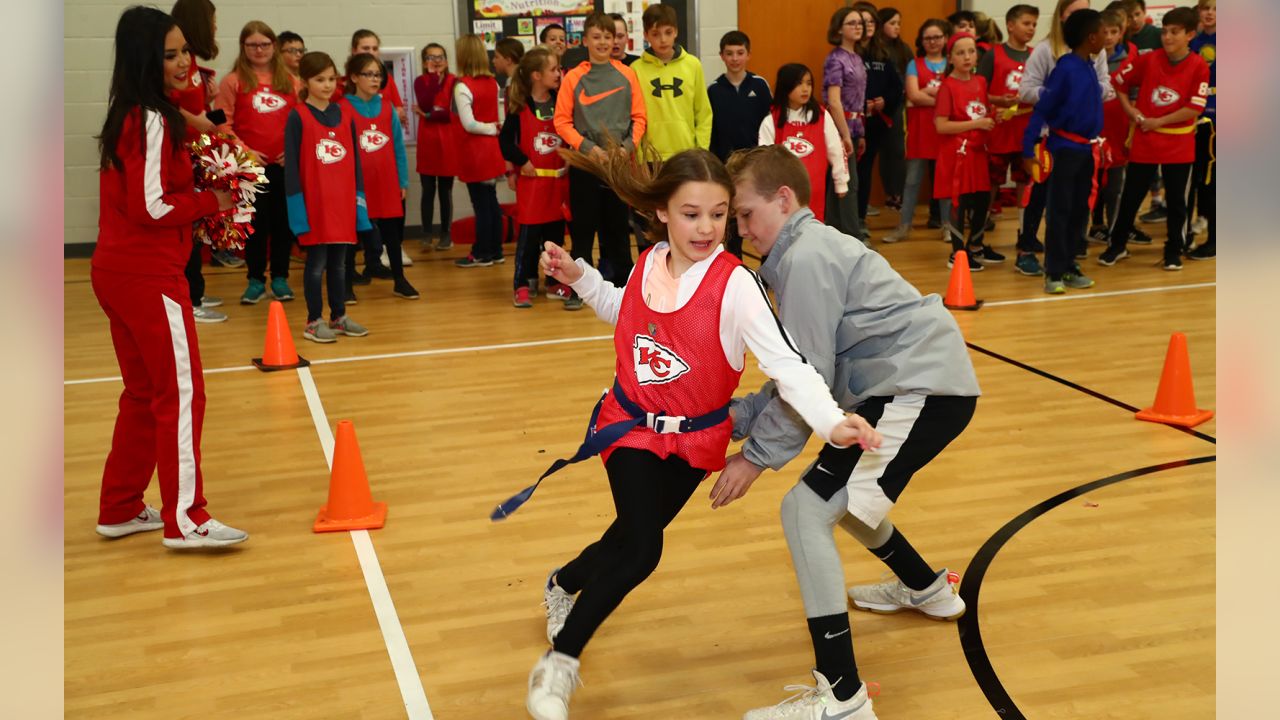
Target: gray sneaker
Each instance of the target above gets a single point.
(444, 243)
(939, 601)
(346, 326)
(1076, 281)
(1054, 287)
(209, 301)
(573, 303)
(211, 534)
(899, 233)
(558, 603)
(318, 331)
(205, 315)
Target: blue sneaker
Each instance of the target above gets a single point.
(1028, 265)
(280, 289)
(252, 294)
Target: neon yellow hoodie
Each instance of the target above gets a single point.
(675, 99)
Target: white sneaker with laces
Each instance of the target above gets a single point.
(551, 683)
(210, 534)
(148, 519)
(939, 601)
(558, 603)
(404, 258)
(816, 703)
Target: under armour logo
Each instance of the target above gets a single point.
(674, 87)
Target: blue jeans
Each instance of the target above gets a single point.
(484, 203)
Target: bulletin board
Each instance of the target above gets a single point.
(523, 20)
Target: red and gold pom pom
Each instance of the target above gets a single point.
(221, 164)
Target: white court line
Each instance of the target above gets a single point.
(411, 690)
(594, 338)
(383, 356)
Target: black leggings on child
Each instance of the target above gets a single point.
(529, 248)
(972, 213)
(432, 184)
(386, 232)
(648, 492)
(322, 259)
(270, 231)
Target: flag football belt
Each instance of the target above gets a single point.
(1098, 144)
(1014, 111)
(549, 172)
(853, 115)
(599, 440)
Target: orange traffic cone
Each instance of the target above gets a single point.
(960, 289)
(1176, 398)
(350, 505)
(279, 353)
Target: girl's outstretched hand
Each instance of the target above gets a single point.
(557, 263)
(855, 429)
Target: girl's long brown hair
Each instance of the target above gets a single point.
(281, 80)
(521, 88)
(646, 187)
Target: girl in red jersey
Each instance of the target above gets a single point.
(256, 97)
(384, 164)
(324, 190)
(434, 92)
(475, 132)
(924, 77)
(196, 20)
(797, 122)
(963, 120)
(683, 323)
(148, 204)
(529, 142)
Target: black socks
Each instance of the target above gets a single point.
(833, 653)
(905, 562)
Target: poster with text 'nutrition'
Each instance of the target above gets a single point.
(510, 8)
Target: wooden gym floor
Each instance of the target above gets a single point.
(1097, 603)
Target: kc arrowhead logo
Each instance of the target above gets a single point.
(267, 102)
(330, 151)
(372, 140)
(656, 364)
(545, 143)
(800, 147)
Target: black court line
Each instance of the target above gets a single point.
(1087, 391)
(970, 634)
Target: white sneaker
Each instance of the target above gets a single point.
(404, 258)
(209, 301)
(558, 603)
(873, 211)
(205, 315)
(551, 683)
(939, 601)
(1199, 226)
(211, 534)
(816, 703)
(898, 234)
(148, 519)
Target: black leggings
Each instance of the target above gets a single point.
(648, 492)
(386, 232)
(529, 247)
(322, 259)
(1204, 179)
(270, 231)
(432, 184)
(877, 136)
(193, 271)
(598, 209)
(973, 213)
(1137, 181)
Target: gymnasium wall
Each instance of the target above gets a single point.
(327, 25)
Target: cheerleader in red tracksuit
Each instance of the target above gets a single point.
(963, 119)
(324, 191)
(148, 203)
(797, 122)
(436, 161)
(683, 323)
(529, 143)
(475, 132)
(384, 165)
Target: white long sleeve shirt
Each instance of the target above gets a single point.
(462, 102)
(835, 149)
(1042, 62)
(747, 322)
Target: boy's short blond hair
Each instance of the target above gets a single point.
(1207, 4)
(1115, 18)
(769, 167)
(656, 15)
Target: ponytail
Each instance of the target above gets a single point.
(521, 87)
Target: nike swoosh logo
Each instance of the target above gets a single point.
(920, 601)
(824, 470)
(828, 716)
(593, 99)
(829, 636)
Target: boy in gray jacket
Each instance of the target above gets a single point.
(894, 356)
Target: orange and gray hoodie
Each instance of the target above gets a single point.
(600, 101)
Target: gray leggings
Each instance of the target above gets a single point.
(809, 523)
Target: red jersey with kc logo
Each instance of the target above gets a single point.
(479, 157)
(539, 198)
(962, 159)
(327, 171)
(1163, 89)
(673, 364)
(809, 143)
(922, 134)
(378, 161)
(197, 97)
(1006, 77)
(259, 119)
